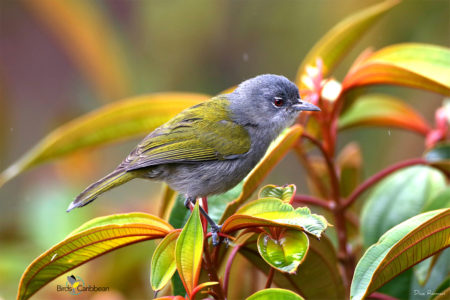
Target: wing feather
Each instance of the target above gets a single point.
(201, 133)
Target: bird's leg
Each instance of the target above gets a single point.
(215, 229)
(188, 201)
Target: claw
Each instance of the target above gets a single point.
(215, 235)
(188, 201)
(215, 229)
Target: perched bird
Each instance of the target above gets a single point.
(210, 147)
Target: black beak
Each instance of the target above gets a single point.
(304, 106)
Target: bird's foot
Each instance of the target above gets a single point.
(215, 229)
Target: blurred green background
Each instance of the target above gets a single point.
(61, 59)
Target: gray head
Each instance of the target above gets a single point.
(268, 100)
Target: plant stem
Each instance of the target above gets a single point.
(306, 199)
(270, 278)
(212, 273)
(204, 203)
(226, 276)
(380, 175)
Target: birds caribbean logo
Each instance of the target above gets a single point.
(74, 284)
(209, 148)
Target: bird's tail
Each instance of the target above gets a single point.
(113, 179)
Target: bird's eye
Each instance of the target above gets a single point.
(278, 101)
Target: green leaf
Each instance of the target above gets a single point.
(383, 110)
(334, 45)
(218, 203)
(189, 251)
(177, 285)
(399, 249)
(397, 198)
(439, 156)
(275, 153)
(285, 252)
(163, 261)
(274, 212)
(284, 193)
(415, 65)
(95, 238)
(128, 118)
(318, 277)
(274, 293)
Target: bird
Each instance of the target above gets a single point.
(209, 148)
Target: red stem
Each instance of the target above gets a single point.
(212, 273)
(380, 175)
(305, 199)
(204, 203)
(226, 276)
(270, 278)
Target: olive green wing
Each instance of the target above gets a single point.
(201, 133)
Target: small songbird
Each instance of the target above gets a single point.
(209, 148)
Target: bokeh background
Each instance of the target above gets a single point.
(62, 59)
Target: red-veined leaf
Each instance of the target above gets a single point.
(189, 251)
(415, 65)
(383, 110)
(400, 248)
(95, 238)
(275, 212)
